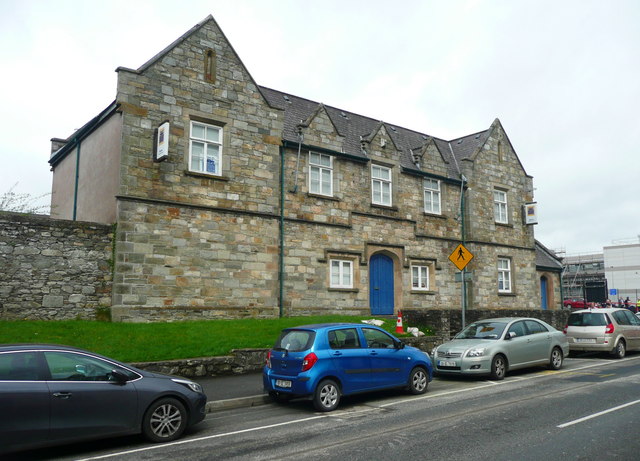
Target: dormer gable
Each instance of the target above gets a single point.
(429, 158)
(379, 143)
(319, 130)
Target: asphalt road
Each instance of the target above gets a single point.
(587, 411)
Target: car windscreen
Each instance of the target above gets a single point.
(588, 319)
(482, 330)
(295, 340)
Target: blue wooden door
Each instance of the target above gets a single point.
(381, 285)
(543, 292)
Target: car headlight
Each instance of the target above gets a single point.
(195, 387)
(434, 351)
(478, 352)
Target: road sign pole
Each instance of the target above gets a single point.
(464, 292)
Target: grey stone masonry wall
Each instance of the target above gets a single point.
(52, 269)
(447, 322)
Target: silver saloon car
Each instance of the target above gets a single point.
(494, 346)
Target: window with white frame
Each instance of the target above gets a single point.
(381, 185)
(205, 148)
(320, 174)
(431, 196)
(341, 275)
(504, 275)
(500, 206)
(419, 277)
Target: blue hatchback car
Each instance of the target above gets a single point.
(324, 362)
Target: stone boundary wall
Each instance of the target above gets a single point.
(243, 361)
(446, 323)
(54, 269)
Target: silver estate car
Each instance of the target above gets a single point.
(494, 346)
(609, 330)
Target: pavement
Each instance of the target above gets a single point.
(237, 391)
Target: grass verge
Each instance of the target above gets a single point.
(143, 342)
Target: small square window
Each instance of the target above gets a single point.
(341, 275)
(320, 174)
(420, 278)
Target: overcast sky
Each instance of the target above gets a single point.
(563, 77)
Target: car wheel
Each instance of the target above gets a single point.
(164, 421)
(418, 381)
(620, 350)
(498, 367)
(555, 362)
(327, 396)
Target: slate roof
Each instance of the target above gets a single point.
(546, 259)
(354, 127)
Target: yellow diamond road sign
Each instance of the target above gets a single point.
(460, 257)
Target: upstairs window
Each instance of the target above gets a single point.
(500, 206)
(380, 185)
(320, 174)
(504, 275)
(431, 196)
(205, 148)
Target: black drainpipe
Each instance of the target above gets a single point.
(281, 232)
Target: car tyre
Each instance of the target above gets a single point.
(165, 420)
(418, 381)
(326, 396)
(555, 361)
(620, 350)
(498, 367)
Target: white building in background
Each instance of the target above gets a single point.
(622, 270)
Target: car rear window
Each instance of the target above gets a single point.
(295, 340)
(588, 319)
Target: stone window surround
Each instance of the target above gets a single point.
(223, 123)
(343, 261)
(430, 264)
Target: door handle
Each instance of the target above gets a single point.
(337, 353)
(373, 353)
(62, 395)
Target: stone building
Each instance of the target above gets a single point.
(233, 199)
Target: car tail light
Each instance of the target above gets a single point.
(309, 361)
(269, 359)
(564, 330)
(610, 328)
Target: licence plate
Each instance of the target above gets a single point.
(283, 383)
(446, 363)
(585, 340)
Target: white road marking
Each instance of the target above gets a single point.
(595, 415)
(337, 413)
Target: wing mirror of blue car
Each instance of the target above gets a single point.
(399, 345)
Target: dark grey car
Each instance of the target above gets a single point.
(57, 394)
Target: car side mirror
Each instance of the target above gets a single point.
(118, 377)
(399, 345)
(510, 335)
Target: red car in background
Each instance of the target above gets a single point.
(575, 303)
